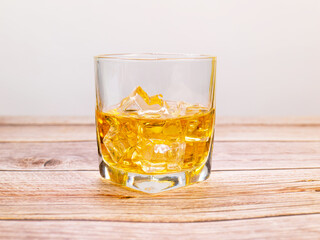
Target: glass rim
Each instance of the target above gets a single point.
(154, 56)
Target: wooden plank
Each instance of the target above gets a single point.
(276, 121)
(293, 227)
(49, 156)
(56, 133)
(265, 155)
(221, 120)
(226, 155)
(46, 120)
(267, 133)
(227, 195)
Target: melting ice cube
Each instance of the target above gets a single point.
(120, 142)
(157, 156)
(139, 102)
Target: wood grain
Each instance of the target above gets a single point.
(227, 195)
(52, 133)
(263, 120)
(226, 155)
(57, 133)
(265, 155)
(293, 227)
(46, 120)
(49, 156)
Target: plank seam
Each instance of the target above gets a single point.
(213, 170)
(189, 222)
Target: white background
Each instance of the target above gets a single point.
(268, 51)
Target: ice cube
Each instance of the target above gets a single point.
(198, 130)
(181, 108)
(139, 102)
(168, 130)
(175, 109)
(156, 156)
(120, 142)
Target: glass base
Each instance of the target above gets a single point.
(158, 182)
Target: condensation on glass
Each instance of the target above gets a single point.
(155, 118)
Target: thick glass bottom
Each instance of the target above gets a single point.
(158, 182)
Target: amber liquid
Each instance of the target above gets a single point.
(153, 144)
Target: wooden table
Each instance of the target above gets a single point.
(265, 185)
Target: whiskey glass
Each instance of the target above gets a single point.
(155, 119)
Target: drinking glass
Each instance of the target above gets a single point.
(155, 118)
